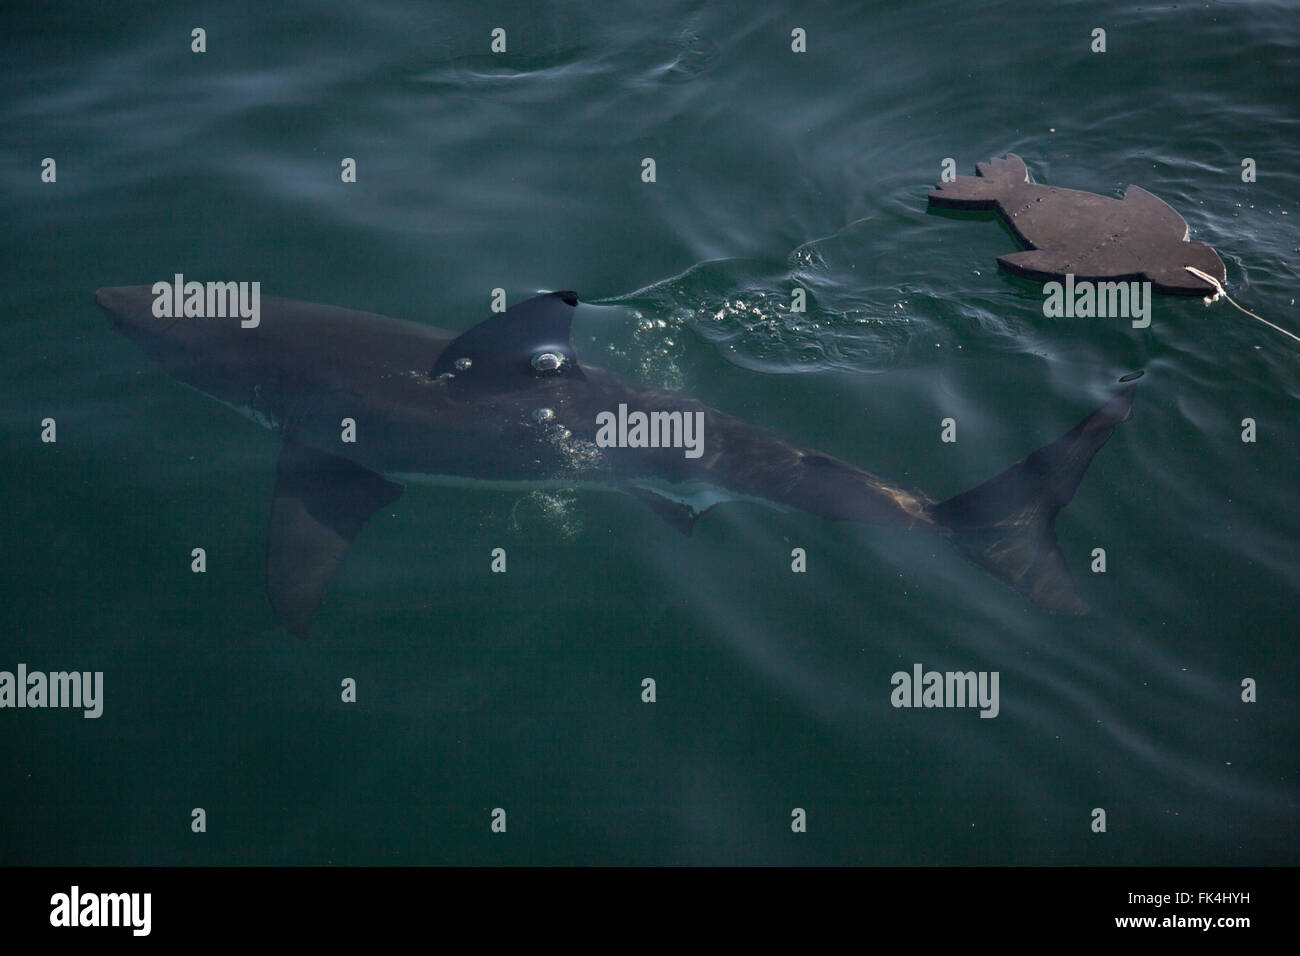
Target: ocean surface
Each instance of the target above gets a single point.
(522, 171)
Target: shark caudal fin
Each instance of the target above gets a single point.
(994, 179)
(1008, 524)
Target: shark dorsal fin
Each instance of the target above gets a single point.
(527, 341)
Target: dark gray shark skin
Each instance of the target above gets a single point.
(483, 407)
(1088, 236)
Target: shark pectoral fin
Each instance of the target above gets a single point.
(527, 341)
(681, 505)
(1035, 263)
(676, 514)
(321, 502)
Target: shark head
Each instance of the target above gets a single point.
(130, 310)
(200, 352)
(169, 341)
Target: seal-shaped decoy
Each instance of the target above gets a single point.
(1070, 232)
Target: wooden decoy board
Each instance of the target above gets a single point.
(1092, 237)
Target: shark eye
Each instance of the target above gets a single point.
(547, 361)
(463, 364)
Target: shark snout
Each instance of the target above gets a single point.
(106, 299)
(130, 308)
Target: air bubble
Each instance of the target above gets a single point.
(547, 361)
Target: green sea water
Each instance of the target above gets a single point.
(522, 171)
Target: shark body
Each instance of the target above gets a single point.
(508, 403)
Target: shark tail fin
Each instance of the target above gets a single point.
(1008, 524)
(994, 179)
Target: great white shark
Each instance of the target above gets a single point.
(508, 402)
